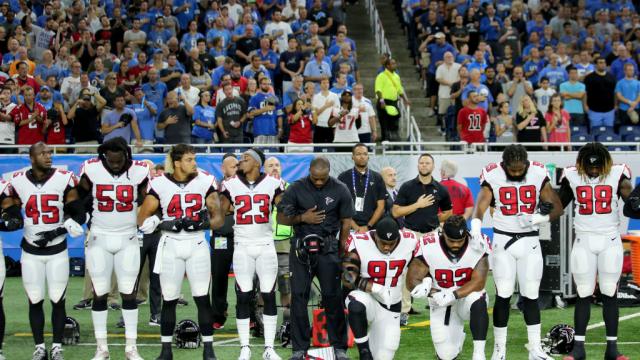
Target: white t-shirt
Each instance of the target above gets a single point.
(448, 74)
(543, 98)
(235, 12)
(273, 28)
(191, 94)
(366, 115)
(319, 100)
(7, 128)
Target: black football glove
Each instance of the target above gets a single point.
(634, 203)
(544, 208)
(171, 225)
(46, 236)
(188, 224)
(11, 219)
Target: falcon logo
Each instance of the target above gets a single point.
(592, 160)
(388, 235)
(328, 200)
(461, 232)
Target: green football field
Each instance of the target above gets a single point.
(415, 342)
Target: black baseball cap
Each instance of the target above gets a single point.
(387, 229)
(455, 231)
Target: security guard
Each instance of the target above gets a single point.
(318, 207)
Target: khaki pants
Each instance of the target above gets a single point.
(143, 283)
(87, 290)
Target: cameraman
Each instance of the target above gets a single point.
(121, 122)
(317, 205)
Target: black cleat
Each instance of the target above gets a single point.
(365, 354)
(207, 352)
(166, 353)
(82, 305)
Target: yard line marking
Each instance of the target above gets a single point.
(142, 336)
(619, 343)
(159, 344)
(228, 341)
(622, 318)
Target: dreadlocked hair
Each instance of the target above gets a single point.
(175, 154)
(514, 153)
(598, 150)
(117, 144)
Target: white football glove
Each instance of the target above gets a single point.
(73, 228)
(531, 220)
(477, 240)
(443, 298)
(383, 292)
(150, 224)
(423, 289)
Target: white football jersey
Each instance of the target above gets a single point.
(512, 197)
(252, 206)
(346, 129)
(183, 199)
(5, 189)
(43, 202)
(448, 272)
(386, 270)
(114, 197)
(596, 202)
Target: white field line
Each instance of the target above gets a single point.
(622, 318)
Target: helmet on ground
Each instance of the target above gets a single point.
(187, 335)
(71, 334)
(559, 340)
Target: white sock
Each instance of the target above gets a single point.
(243, 331)
(206, 339)
(363, 339)
(533, 333)
(270, 323)
(500, 336)
(166, 339)
(478, 346)
(612, 338)
(130, 318)
(581, 338)
(100, 327)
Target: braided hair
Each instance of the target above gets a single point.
(514, 153)
(594, 154)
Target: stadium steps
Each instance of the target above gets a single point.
(398, 43)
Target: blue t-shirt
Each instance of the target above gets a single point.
(156, 94)
(111, 118)
(189, 41)
(146, 121)
(204, 114)
(534, 66)
(629, 89)
(573, 106)
(617, 68)
(44, 72)
(265, 123)
(437, 54)
(556, 75)
(484, 104)
(224, 34)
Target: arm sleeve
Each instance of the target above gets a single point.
(288, 203)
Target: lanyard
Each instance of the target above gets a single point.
(366, 183)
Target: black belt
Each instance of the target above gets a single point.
(396, 308)
(515, 236)
(47, 250)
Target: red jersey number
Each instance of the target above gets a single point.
(511, 197)
(192, 204)
(123, 198)
(346, 122)
(38, 208)
(377, 271)
(597, 198)
(244, 204)
(447, 278)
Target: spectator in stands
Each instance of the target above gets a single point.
(459, 33)
(317, 68)
(517, 87)
(254, 67)
(291, 63)
(278, 30)
(231, 115)
(557, 120)
(585, 66)
(347, 121)
(534, 66)
(503, 123)
(554, 72)
(321, 16)
(239, 82)
(301, 121)
(146, 116)
(175, 119)
(29, 118)
(340, 85)
(461, 197)
(245, 44)
(190, 39)
(268, 57)
(456, 96)
(472, 120)
(628, 95)
(172, 73)
(368, 131)
(389, 91)
(346, 57)
(490, 26)
(266, 113)
(618, 65)
(294, 92)
(7, 125)
(190, 92)
(530, 123)
(121, 122)
(436, 48)
(85, 116)
(23, 79)
(543, 95)
(600, 88)
(45, 68)
(324, 103)
(135, 37)
(495, 87)
(573, 95)
(474, 84)
(199, 78)
(204, 120)
(446, 75)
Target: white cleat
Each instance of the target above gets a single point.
(102, 353)
(56, 353)
(537, 353)
(499, 352)
(245, 353)
(39, 354)
(479, 357)
(132, 354)
(270, 354)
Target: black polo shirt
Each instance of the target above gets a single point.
(334, 198)
(425, 219)
(375, 190)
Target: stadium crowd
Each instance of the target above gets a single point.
(533, 71)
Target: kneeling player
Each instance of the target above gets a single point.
(374, 268)
(459, 274)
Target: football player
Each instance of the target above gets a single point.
(458, 273)
(52, 208)
(596, 185)
(374, 270)
(520, 192)
(10, 220)
(188, 200)
(115, 182)
(252, 194)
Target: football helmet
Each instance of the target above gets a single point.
(559, 340)
(71, 334)
(187, 335)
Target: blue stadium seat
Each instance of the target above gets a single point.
(619, 148)
(631, 137)
(625, 131)
(608, 137)
(581, 137)
(601, 130)
(577, 129)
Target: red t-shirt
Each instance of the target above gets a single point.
(471, 123)
(56, 134)
(28, 81)
(460, 195)
(240, 85)
(300, 131)
(30, 133)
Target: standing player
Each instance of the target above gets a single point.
(596, 185)
(114, 181)
(374, 269)
(189, 203)
(516, 188)
(458, 273)
(253, 195)
(47, 196)
(10, 220)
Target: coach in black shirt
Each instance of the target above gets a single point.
(367, 190)
(420, 199)
(320, 205)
